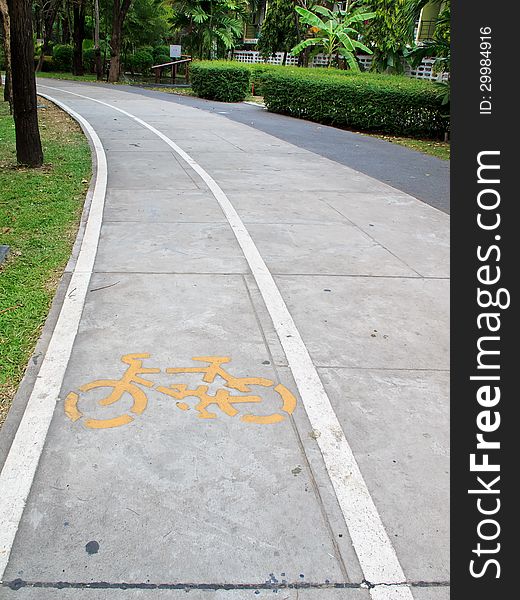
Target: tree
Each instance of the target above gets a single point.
(146, 24)
(389, 34)
(97, 47)
(279, 31)
(65, 22)
(28, 143)
(121, 8)
(210, 28)
(48, 10)
(4, 19)
(78, 35)
(335, 35)
(438, 47)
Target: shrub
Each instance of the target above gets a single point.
(62, 57)
(161, 51)
(261, 70)
(140, 62)
(47, 64)
(226, 81)
(385, 103)
(89, 60)
(161, 59)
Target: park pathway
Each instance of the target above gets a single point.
(273, 329)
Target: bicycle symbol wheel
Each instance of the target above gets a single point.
(139, 404)
(288, 406)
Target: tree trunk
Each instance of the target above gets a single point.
(37, 13)
(6, 30)
(49, 16)
(120, 10)
(98, 67)
(78, 36)
(28, 143)
(65, 24)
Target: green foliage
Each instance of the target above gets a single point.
(47, 64)
(443, 27)
(161, 51)
(225, 81)
(279, 31)
(162, 59)
(62, 57)
(208, 29)
(89, 60)
(139, 62)
(439, 47)
(2, 58)
(388, 35)
(146, 24)
(364, 101)
(335, 32)
(259, 71)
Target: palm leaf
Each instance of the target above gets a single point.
(346, 41)
(305, 44)
(309, 18)
(356, 17)
(350, 58)
(322, 10)
(358, 44)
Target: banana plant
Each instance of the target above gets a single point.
(334, 33)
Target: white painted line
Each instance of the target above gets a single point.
(22, 461)
(374, 549)
(258, 104)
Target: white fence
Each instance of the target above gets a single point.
(423, 71)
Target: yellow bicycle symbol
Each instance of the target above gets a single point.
(224, 399)
(120, 386)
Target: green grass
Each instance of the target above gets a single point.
(431, 147)
(176, 91)
(39, 215)
(59, 75)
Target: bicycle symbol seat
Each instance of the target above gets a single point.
(223, 398)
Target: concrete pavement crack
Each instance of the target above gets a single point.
(17, 584)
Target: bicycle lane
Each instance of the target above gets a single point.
(167, 496)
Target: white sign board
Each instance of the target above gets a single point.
(175, 51)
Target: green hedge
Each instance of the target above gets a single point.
(226, 81)
(369, 102)
(160, 51)
(161, 59)
(89, 60)
(47, 64)
(139, 62)
(62, 57)
(259, 71)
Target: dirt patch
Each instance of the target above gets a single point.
(52, 118)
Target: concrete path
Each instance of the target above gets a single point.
(424, 177)
(310, 459)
